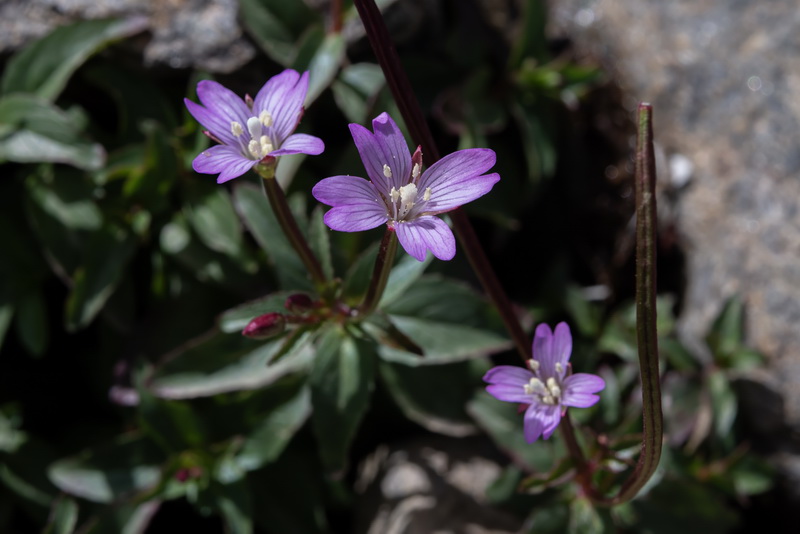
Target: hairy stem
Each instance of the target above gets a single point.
(380, 274)
(277, 200)
(412, 114)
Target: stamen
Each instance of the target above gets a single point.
(559, 368)
(265, 118)
(415, 171)
(387, 171)
(408, 194)
(236, 129)
(548, 399)
(552, 385)
(254, 148)
(427, 195)
(266, 146)
(395, 194)
(536, 386)
(254, 127)
(533, 365)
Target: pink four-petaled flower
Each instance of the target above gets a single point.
(547, 387)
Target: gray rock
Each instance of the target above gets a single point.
(203, 34)
(430, 485)
(724, 78)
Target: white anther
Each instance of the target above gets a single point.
(415, 171)
(265, 118)
(254, 127)
(266, 146)
(559, 368)
(408, 194)
(236, 129)
(533, 365)
(395, 194)
(552, 386)
(254, 148)
(427, 195)
(387, 171)
(548, 399)
(536, 386)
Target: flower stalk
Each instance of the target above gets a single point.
(380, 274)
(283, 213)
(398, 82)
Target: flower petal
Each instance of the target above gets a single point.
(371, 155)
(395, 150)
(540, 421)
(223, 102)
(300, 144)
(222, 159)
(347, 191)
(507, 393)
(508, 374)
(543, 351)
(456, 178)
(578, 389)
(212, 121)
(282, 96)
(427, 233)
(354, 218)
(562, 346)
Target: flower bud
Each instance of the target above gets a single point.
(265, 326)
(298, 303)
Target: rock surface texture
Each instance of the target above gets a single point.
(203, 34)
(724, 78)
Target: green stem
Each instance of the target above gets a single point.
(283, 213)
(412, 114)
(568, 433)
(380, 274)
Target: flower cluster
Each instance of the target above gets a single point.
(250, 131)
(400, 194)
(547, 387)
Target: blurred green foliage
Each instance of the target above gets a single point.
(126, 278)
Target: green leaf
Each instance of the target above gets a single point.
(6, 314)
(63, 517)
(68, 200)
(341, 384)
(320, 241)
(434, 397)
(219, 363)
(32, 323)
(551, 519)
(356, 89)
(113, 471)
(583, 518)
(504, 425)
(273, 434)
(258, 217)
(107, 254)
(235, 319)
(172, 424)
(751, 476)
(359, 274)
(273, 24)
(44, 67)
(33, 130)
(213, 218)
(233, 502)
(404, 274)
(325, 65)
(723, 400)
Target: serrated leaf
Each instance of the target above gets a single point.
(341, 384)
(44, 67)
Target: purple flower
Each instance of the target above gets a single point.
(547, 388)
(251, 130)
(400, 195)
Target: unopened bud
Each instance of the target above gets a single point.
(265, 326)
(298, 303)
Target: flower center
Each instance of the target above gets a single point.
(257, 144)
(549, 392)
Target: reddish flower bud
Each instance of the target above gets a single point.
(298, 303)
(265, 326)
